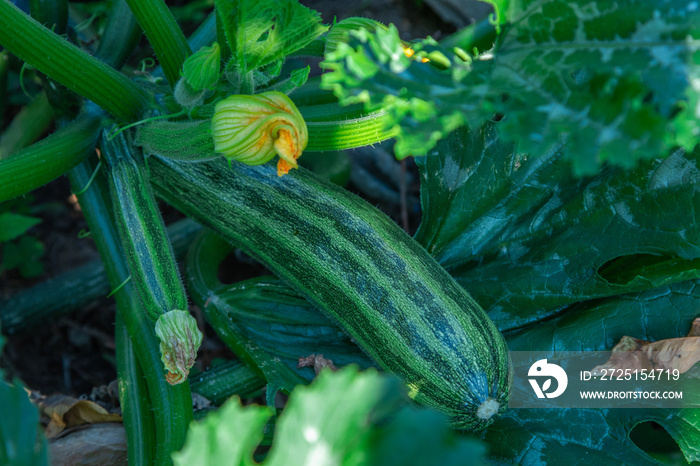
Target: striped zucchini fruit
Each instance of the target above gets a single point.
(356, 265)
(150, 259)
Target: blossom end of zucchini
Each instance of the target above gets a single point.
(179, 341)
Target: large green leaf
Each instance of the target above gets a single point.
(610, 74)
(21, 442)
(598, 325)
(551, 436)
(343, 418)
(526, 238)
(618, 80)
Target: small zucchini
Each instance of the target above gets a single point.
(150, 258)
(362, 270)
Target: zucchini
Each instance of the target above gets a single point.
(266, 324)
(150, 258)
(222, 381)
(357, 266)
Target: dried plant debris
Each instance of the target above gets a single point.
(318, 362)
(671, 354)
(64, 412)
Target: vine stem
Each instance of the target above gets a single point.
(172, 405)
(164, 34)
(480, 36)
(133, 398)
(60, 60)
(49, 158)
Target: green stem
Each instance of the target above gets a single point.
(172, 405)
(28, 126)
(51, 13)
(223, 381)
(164, 34)
(137, 413)
(480, 35)
(70, 66)
(221, 39)
(205, 34)
(49, 158)
(247, 85)
(121, 36)
(339, 128)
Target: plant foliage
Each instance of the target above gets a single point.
(617, 80)
(559, 187)
(343, 418)
(21, 442)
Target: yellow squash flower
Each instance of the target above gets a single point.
(254, 128)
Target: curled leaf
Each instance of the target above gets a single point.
(254, 128)
(179, 341)
(64, 412)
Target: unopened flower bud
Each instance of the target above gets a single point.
(201, 69)
(254, 128)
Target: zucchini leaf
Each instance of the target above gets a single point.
(619, 79)
(21, 442)
(609, 74)
(261, 32)
(210, 441)
(534, 436)
(320, 426)
(527, 238)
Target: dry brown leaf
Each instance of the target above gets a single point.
(695, 328)
(200, 402)
(97, 444)
(64, 412)
(673, 353)
(318, 362)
